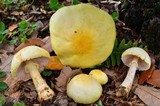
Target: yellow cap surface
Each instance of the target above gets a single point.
(84, 89)
(99, 75)
(82, 35)
(27, 53)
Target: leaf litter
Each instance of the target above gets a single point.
(25, 91)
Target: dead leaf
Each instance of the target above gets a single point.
(66, 74)
(12, 27)
(13, 84)
(54, 64)
(13, 98)
(155, 78)
(111, 73)
(15, 95)
(6, 64)
(61, 100)
(47, 45)
(29, 42)
(148, 95)
(146, 75)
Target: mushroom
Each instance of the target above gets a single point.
(99, 75)
(84, 89)
(82, 35)
(136, 59)
(26, 59)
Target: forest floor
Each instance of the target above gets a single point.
(137, 21)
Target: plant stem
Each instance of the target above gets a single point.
(43, 90)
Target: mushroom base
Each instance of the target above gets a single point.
(122, 92)
(43, 90)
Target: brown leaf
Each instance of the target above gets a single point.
(29, 42)
(148, 95)
(155, 78)
(6, 64)
(13, 84)
(12, 27)
(146, 75)
(54, 64)
(47, 45)
(66, 74)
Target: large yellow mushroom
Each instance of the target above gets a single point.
(26, 60)
(82, 35)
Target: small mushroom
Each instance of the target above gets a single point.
(84, 89)
(26, 59)
(136, 59)
(77, 39)
(99, 75)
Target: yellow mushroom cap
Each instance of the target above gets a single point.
(99, 75)
(144, 61)
(82, 35)
(84, 89)
(27, 53)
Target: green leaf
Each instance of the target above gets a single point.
(115, 16)
(7, 2)
(33, 26)
(115, 44)
(14, 41)
(122, 44)
(23, 25)
(118, 58)
(2, 100)
(54, 5)
(141, 46)
(3, 86)
(108, 62)
(135, 44)
(145, 48)
(52, 84)
(99, 103)
(19, 104)
(129, 44)
(2, 26)
(46, 73)
(75, 2)
(2, 74)
(113, 60)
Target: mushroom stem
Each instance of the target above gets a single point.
(43, 90)
(126, 85)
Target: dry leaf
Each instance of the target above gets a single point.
(29, 42)
(66, 74)
(148, 95)
(47, 45)
(155, 78)
(13, 84)
(146, 75)
(12, 27)
(54, 64)
(6, 64)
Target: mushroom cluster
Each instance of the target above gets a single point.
(136, 59)
(26, 59)
(84, 89)
(82, 35)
